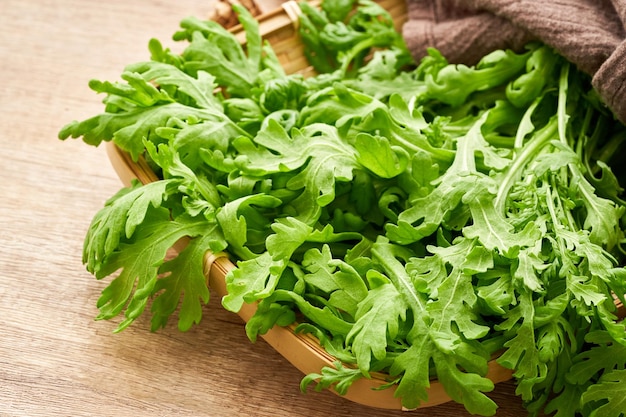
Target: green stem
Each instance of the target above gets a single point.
(528, 152)
(386, 255)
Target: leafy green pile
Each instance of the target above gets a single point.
(418, 219)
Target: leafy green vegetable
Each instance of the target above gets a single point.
(419, 219)
(340, 37)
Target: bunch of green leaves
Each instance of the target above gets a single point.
(340, 36)
(419, 221)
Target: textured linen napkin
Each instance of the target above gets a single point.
(589, 33)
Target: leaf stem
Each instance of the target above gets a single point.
(387, 256)
(527, 153)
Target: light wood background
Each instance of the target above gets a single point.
(55, 360)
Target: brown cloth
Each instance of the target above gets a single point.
(589, 33)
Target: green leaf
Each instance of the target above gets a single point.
(338, 105)
(128, 129)
(138, 262)
(344, 285)
(323, 316)
(137, 92)
(119, 218)
(497, 296)
(340, 378)
(335, 346)
(540, 69)
(465, 387)
(253, 35)
(323, 157)
(284, 93)
(392, 259)
(452, 84)
(337, 10)
(522, 354)
(603, 217)
(268, 315)
(608, 397)
(184, 283)
(461, 183)
(377, 155)
(494, 232)
(414, 366)
(566, 403)
(312, 22)
(186, 137)
(252, 280)
(528, 267)
(194, 186)
(585, 289)
(448, 351)
(234, 216)
(378, 320)
(465, 254)
(382, 77)
(402, 124)
(599, 359)
(561, 156)
(455, 307)
(454, 302)
(174, 81)
(289, 235)
(213, 49)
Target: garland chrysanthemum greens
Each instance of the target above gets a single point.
(418, 218)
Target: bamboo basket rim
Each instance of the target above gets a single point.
(303, 351)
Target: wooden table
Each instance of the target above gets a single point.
(55, 359)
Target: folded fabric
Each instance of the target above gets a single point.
(589, 33)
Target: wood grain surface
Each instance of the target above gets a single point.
(55, 359)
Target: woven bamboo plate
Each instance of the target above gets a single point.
(303, 351)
